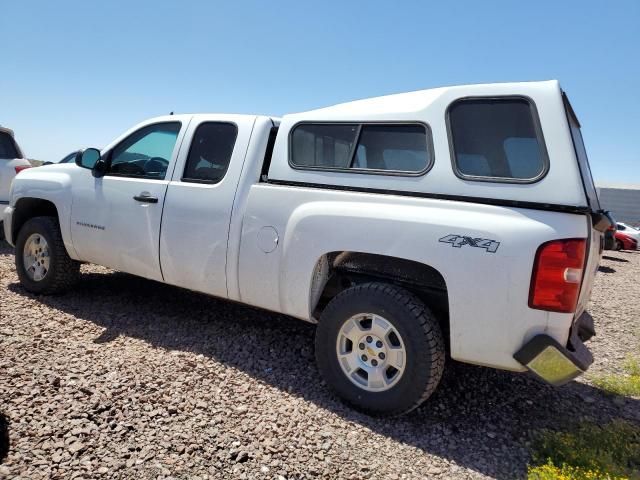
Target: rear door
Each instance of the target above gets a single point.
(199, 202)
(596, 237)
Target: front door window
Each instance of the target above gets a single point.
(145, 153)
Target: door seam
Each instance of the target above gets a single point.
(164, 198)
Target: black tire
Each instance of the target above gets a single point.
(63, 271)
(619, 245)
(4, 437)
(1, 231)
(421, 334)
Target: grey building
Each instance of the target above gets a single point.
(622, 200)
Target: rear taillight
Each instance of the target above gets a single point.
(557, 275)
(19, 168)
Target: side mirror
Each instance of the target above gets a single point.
(99, 169)
(90, 159)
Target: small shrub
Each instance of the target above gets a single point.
(588, 452)
(632, 366)
(549, 471)
(626, 385)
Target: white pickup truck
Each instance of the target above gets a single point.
(456, 221)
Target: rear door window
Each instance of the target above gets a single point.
(210, 152)
(8, 148)
(497, 139)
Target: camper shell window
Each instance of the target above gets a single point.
(391, 148)
(497, 139)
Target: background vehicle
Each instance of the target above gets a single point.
(383, 220)
(628, 230)
(625, 242)
(610, 237)
(70, 158)
(12, 161)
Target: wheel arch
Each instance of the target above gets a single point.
(30, 207)
(338, 270)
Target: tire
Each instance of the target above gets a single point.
(619, 245)
(62, 271)
(417, 331)
(1, 231)
(4, 437)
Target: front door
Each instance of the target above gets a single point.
(115, 220)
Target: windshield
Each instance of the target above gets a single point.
(8, 146)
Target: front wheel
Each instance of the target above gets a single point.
(42, 262)
(380, 348)
(619, 245)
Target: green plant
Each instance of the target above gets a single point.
(549, 471)
(628, 384)
(632, 366)
(588, 452)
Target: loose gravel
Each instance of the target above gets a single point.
(128, 378)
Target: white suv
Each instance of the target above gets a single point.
(12, 161)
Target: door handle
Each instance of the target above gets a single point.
(144, 197)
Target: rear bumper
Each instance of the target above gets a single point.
(554, 363)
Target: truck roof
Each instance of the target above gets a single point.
(201, 116)
(186, 117)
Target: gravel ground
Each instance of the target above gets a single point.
(127, 378)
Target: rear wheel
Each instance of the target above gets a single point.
(380, 348)
(619, 245)
(42, 262)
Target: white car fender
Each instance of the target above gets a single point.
(55, 187)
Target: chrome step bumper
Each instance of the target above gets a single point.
(554, 363)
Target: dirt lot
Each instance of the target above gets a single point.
(127, 378)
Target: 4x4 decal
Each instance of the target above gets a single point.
(459, 240)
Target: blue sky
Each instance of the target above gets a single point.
(79, 73)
